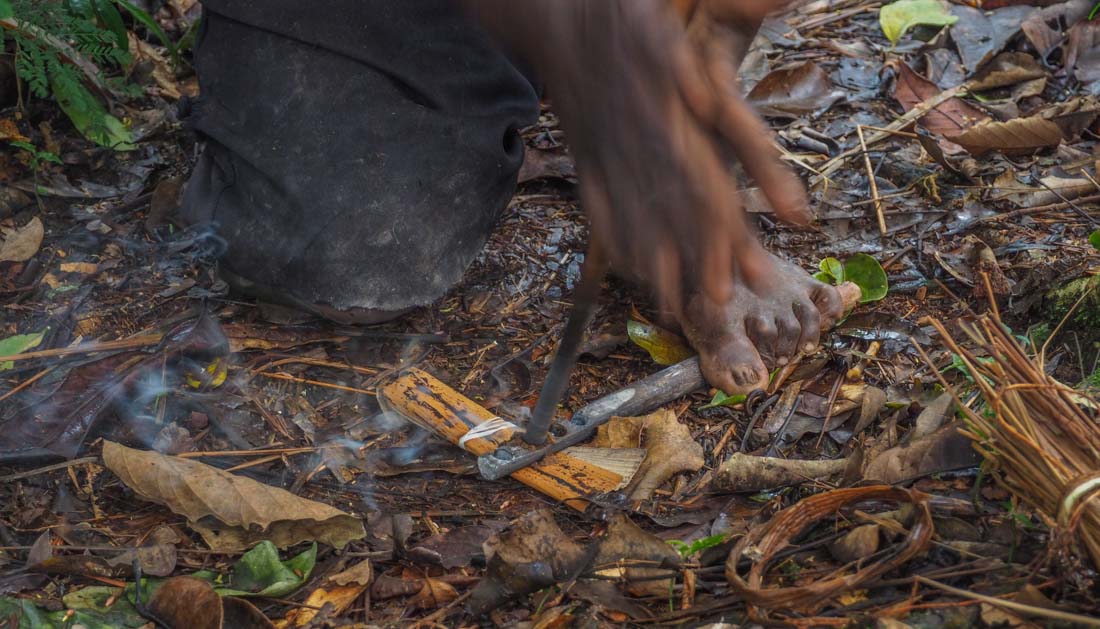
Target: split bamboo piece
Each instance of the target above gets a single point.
(429, 403)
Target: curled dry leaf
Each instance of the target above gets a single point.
(761, 544)
(21, 245)
(627, 552)
(858, 543)
(189, 602)
(531, 554)
(943, 450)
(434, 594)
(230, 512)
(668, 443)
(337, 598)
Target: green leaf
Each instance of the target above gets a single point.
(899, 17)
(865, 272)
(1094, 237)
(5, 9)
(260, 573)
(18, 344)
(688, 550)
(112, 19)
(91, 119)
(664, 347)
(721, 399)
(146, 20)
(832, 271)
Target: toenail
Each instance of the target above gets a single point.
(782, 360)
(808, 347)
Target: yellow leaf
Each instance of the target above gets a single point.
(663, 346)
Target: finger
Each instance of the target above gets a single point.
(751, 141)
(810, 321)
(667, 276)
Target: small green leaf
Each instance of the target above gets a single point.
(18, 344)
(664, 347)
(900, 16)
(865, 272)
(259, 572)
(5, 9)
(1094, 237)
(832, 270)
(721, 399)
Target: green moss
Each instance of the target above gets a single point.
(1086, 318)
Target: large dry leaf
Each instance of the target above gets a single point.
(941, 451)
(1015, 137)
(1006, 69)
(21, 244)
(792, 92)
(668, 443)
(533, 553)
(623, 546)
(230, 512)
(979, 34)
(1021, 136)
(949, 119)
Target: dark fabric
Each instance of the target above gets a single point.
(357, 153)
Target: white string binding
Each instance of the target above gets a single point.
(486, 429)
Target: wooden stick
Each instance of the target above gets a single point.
(88, 348)
(872, 182)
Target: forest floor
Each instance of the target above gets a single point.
(138, 380)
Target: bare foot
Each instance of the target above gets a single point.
(738, 341)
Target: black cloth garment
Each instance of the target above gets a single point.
(356, 153)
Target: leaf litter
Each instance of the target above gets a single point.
(979, 128)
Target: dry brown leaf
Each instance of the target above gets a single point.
(434, 594)
(230, 512)
(21, 245)
(1007, 68)
(187, 602)
(1021, 136)
(531, 554)
(339, 598)
(949, 119)
(192, 603)
(792, 92)
(671, 450)
(857, 544)
(361, 573)
(943, 450)
(624, 546)
(10, 132)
